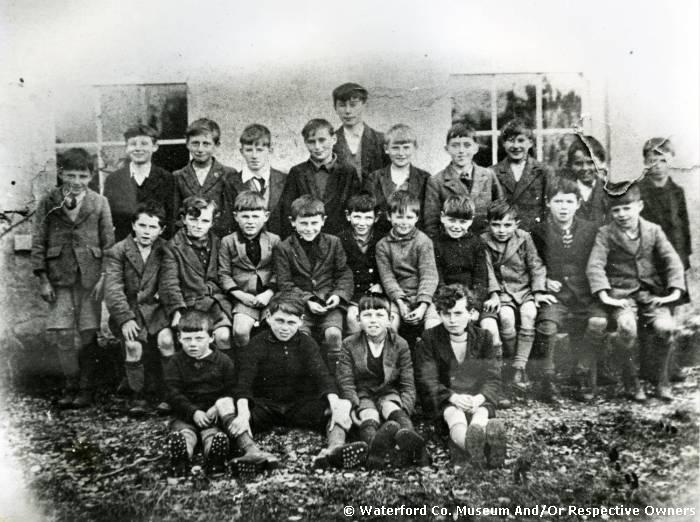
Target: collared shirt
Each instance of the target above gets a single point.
(354, 137)
(144, 251)
(73, 213)
(139, 173)
(264, 174)
(202, 248)
(323, 170)
(363, 243)
(517, 169)
(327, 165)
(201, 173)
(399, 177)
(585, 190)
(466, 176)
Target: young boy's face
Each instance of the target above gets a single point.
(583, 167)
(308, 227)
(202, 148)
(403, 223)
(563, 207)
(374, 322)
(361, 222)
(455, 227)
(196, 344)
(256, 156)
(284, 325)
(251, 221)
(350, 112)
(626, 215)
(400, 154)
(198, 227)
(320, 145)
(146, 229)
(503, 229)
(140, 149)
(456, 318)
(517, 147)
(657, 163)
(75, 181)
(462, 150)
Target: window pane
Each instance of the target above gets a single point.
(555, 147)
(473, 107)
(561, 100)
(483, 157)
(516, 97)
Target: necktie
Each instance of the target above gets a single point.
(261, 184)
(567, 238)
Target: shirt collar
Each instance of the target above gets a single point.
(141, 170)
(327, 165)
(247, 174)
(356, 132)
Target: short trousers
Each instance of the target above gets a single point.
(73, 308)
(375, 403)
(254, 313)
(203, 433)
(321, 323)
(561, 314)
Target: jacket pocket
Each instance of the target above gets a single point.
(96, 252)
(54, 251)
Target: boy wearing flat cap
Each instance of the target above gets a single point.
(357, 144)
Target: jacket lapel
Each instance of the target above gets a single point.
(277, 180)
(309, 180)
(453, 183)
(190, 179)
(213, 177)
(323, 246)
(300, 254)
(88, 206)
(188, 254)
(505, 176)
(134, 256)
(529, 175)
(389, 356)
(241, 251)
(513, 245)
(153, 262)
(414, 182)
(152, 181)
(444, 346)
(387, 185)
(620, 239)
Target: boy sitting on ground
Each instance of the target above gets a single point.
(375, 374)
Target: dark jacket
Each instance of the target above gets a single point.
(217, 187)
(70, 252)
(666, 207)
(596, 208)
(284, 372)
(379, 184)
(329, 275)
(196, 384)
(363, 264)
(464, 261)
(372, 155)
(131, 286)
(356, 381)
(124, 195)
(654, 266)
(436, 365)
(275, 188)
(184, 282)
(446, 183)
(342, 185)
(519, 271)
(567, 265)
(529, 193)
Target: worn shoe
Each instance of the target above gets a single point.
(664, 393)
(475, 443)
(83, 399)
(496, 443)
(342, 457)
(138, 408)
(163, 408)
(176, 445)
(411, 446)
(520, 381)
(636, 392)
(218, 453)
(504, 403)
(254, 462)
(381, 444)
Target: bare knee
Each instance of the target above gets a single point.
(597, 324)
(222, 337)
(528, 313)
(627, 326)
(166, 343)
(507, 318)
(134, 350)
(664, 326)
(241, 334)
(333, 336)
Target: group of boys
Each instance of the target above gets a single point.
(288, 293)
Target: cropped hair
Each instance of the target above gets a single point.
(141, 130)
(151, 208)
(587, 145)
(500, 209)
(75, 159)
(315, 125)
(307, 206)
(623, 193)
(195, 321)
(362, 202)
(402, 201)
(460, 130)
(348, 91)
(514, 128)
(563, 185)
(203, 126)
(447, 296)
(374, 302)
(256, 133)
(193, 206)
(659, 145)
(249, 200)
(458, 207)
(289, 303)
(400, 133)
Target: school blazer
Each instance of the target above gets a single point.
(446, 183)
(529, 193)
(329, 275)
(124, 196)
(435, 360)
(521, 271)
(184, 283)
(379, 184)
(372, 155)
(131, 286)
(654, 266)
(274, 189)
(356, 382)
(67, 250)
(217, 187)
(237, 271)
